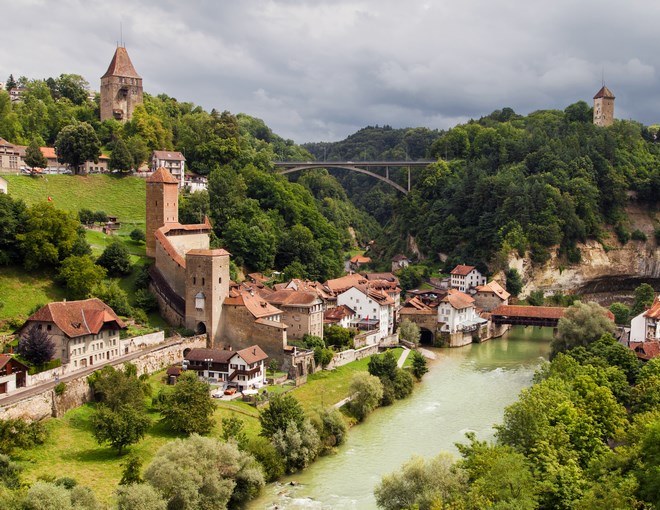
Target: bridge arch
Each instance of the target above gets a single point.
(327, 164)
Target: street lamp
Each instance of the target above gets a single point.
(208, 367)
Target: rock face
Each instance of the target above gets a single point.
(604, 267)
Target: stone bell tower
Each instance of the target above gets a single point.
(121, 88)
(604, 107)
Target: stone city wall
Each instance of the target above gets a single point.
(48, 404)
(343, 357)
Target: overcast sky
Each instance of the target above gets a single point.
(320, 70)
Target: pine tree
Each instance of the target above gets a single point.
(34, 158)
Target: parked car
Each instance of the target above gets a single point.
(230, 391)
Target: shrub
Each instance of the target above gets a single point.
(622, 233)
(298, 445)
(146, 300)
(638, 235)
(138, 235)
(60, 388)
(116, 259)
(536, 298)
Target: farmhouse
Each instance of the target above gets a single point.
(85, 332)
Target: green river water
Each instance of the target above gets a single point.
(466, 389)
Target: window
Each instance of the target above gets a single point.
(194, 280)
(220, 280)
(49, 327)
(199, 301)
(203, 282)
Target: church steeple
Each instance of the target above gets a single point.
(604, 107)
(121, 88)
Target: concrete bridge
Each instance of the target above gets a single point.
(516, 315)
(362, 167)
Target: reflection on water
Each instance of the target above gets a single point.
(465, 390)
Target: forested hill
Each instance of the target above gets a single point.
(262, 218)
(506, 181)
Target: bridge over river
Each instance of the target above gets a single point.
(517, 315)
(362, 167)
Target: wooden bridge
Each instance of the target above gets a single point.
(543, 316)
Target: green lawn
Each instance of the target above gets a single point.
(123, 197)
(328, 387)
(72, 451)
(21, 291)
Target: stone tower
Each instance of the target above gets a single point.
(604, 107)
(207, 286)
(121, 88)
(162, 205)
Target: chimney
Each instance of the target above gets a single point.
(254, 351)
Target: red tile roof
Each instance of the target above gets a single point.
(121, 65)
(605, 93)
(646, 350)
(461, 270)
(77, 318)
(252, 354)
(345, 282)
(162, 175)
(215, 355)
(654, 311)
(338, 313)
(458, 299)
(291, 297)
(360, 259)
(540, 312)
(496, 288)
(6, 358)
(169, 155)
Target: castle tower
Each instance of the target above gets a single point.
(604, 107)
(162, 205)
(121, 88)
(207, 286)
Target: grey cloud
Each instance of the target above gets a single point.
(318, 70)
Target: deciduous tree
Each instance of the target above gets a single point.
(204, 473)
(76, 144)
(188, 407)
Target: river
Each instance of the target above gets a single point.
(466, 389)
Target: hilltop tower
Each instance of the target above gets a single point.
(121, 88)
(162, 205)
(604, 107)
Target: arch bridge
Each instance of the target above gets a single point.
(362, 167)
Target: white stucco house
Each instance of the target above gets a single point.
(464, 278)
(457, 313)
(373, 307)
(646, 326)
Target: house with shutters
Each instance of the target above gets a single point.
(245, 369)
(464, 278)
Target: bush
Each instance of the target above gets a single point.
(138, 235)
(638, 235)
(514, 283)
(298, 445)
(266, 454)
(60, 388)
(536, 298)
(621, 313)
(146, 300)
(332, 428)
(114, 296)
(622, 233)
(18, 433)
(116, 259)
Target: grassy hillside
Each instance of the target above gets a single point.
(123, 197)
(21, 291)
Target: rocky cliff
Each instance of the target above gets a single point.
(605, 267)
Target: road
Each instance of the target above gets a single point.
(49, 385)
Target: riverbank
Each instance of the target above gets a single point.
(466, 389)
(71, 448)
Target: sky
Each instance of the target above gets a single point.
(320, 70)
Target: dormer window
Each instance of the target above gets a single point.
(199, 301)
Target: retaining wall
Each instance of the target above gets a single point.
(349, 355)
(48, 404)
